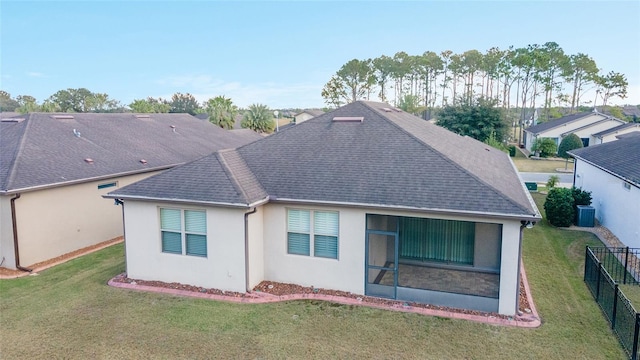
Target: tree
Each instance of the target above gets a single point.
(559, 207)
(612, 84)
(354, 76)
(570, 142)
(478, 120)
(334, 93)
(82, 100)
(582, 71)
(258, 118)
(150, 105)
(411, 104)
(27, 103)
(382, 69)
(221, 111)
(184, 103)
(545, 147)
(7, 103)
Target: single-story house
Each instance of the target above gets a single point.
(584, 125)
(306, 115)
(611, 172)
(55, 168)
(616, 132)
(366, 198)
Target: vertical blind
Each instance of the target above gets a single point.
(325, 230)
(298, 228)
(437, 240)
(196, 232)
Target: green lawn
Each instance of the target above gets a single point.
(545, 166)
(69, 312)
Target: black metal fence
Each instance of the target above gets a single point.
(600, 264)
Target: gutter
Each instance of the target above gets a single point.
(14, 223)
(246, 247)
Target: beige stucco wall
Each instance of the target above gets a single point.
(571, 128)
(223, 268)
(300, 118)
(56, 221)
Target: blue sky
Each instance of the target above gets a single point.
(280, 53)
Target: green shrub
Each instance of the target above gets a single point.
(559, 207)
(570, 142)
(581, 197)
(546, 146)
(553, 181)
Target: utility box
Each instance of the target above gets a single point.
(531, 186)
(585, 216)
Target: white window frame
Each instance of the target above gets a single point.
(312, 233)
(183, 232)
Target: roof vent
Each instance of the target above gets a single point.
(397, 110)
(76, 133)
(88, 160)
(142, 116)
(173, 127)
(62, 117)
(12, 120)
(386, 109)
(143, 161)
(348, 119)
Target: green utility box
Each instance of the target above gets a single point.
(532, 186)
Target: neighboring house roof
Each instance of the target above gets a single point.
(312, 112)
(537, 129)
(391, 159)
(617, 128)
(621, 158)
(631, 111)
(48, 149)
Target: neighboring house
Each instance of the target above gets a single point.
(55, 167)
(616, 132)
(632, 112)
(306, 115)
(611, 172)
(584, 125)
(366, 199)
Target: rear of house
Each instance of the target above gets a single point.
(364, 199)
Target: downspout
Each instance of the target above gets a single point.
(246, 247)
(523, 225)
(124, 233)
(14, 223)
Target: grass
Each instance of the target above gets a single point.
(543, 165)
(69, 312)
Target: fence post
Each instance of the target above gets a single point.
(634, 352)
(586, 258)
(598, 281)
(626, 263)
(615, 305)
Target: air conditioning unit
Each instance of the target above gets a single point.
(585, 216)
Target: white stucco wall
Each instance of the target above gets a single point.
(56, 221)
(347, 273)
(617, 208)
(223, 268)
(256, 247)
(612, 137)
(7, 258)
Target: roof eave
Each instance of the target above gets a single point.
(527, 217)
(83, 180)
(621, 177)
(186, 201)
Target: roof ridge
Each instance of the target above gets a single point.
(232, 172)
(11, 173)
(449, 160)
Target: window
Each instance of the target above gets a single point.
(107, 185)
(183, 232)
(321, 234)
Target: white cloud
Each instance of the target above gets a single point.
(35, 74)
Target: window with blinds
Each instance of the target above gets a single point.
(183, 232)
(321, 234)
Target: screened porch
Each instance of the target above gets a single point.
(436, 261)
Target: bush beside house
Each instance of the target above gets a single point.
(561, 203)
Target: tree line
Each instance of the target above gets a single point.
(522, 78)
(221, 110)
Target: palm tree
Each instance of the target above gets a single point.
(258, 118)
(221, 111)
